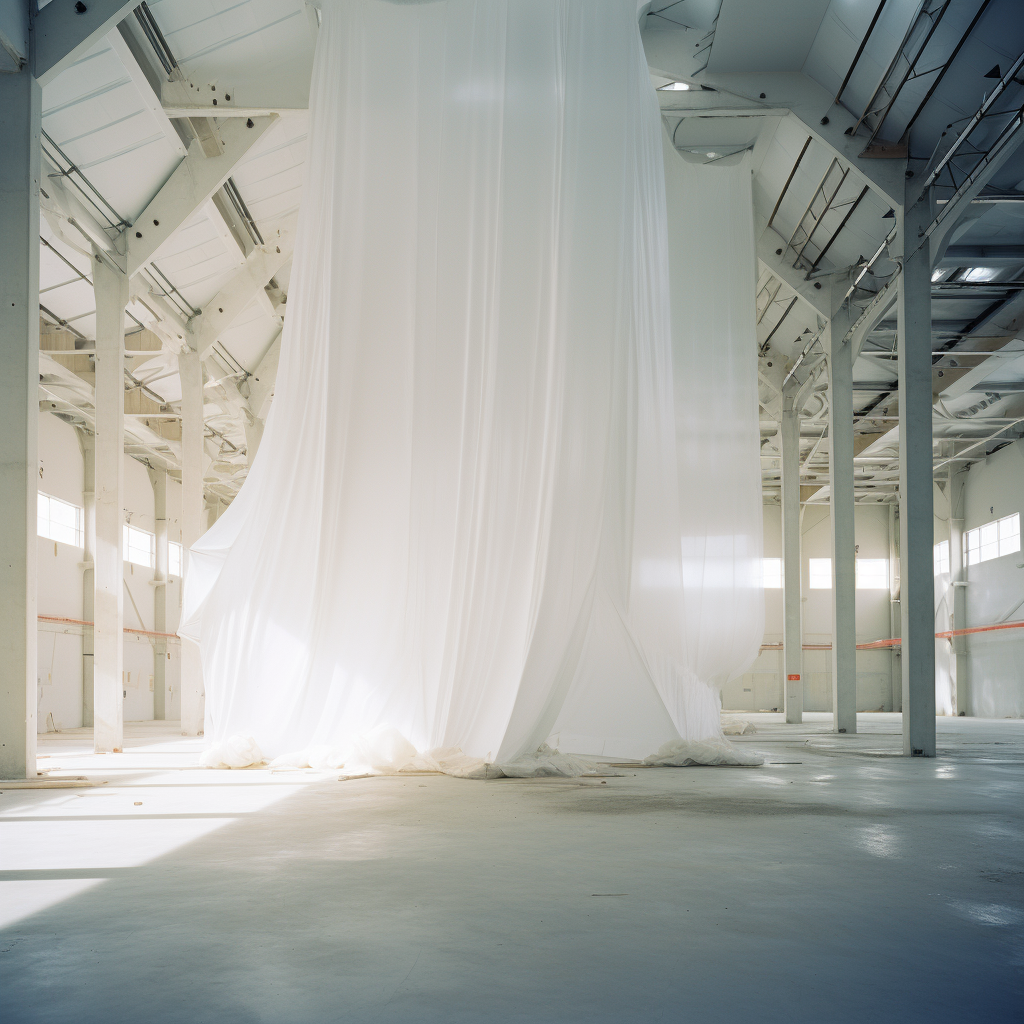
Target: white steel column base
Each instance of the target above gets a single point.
(792, 644)
(842, 507)
(20, 102)
(111, 288)
(192, 511)
(917, 525)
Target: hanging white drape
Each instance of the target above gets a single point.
(466, 503)
(712, 277)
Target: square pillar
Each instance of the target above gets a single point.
(958, 583)
(87, 442)
(792, 641)
(841, 508)
(917, 528)
(20, 103)
(190, 369)
(158, 478)
(111, 287)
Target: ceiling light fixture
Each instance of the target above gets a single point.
(676, 87)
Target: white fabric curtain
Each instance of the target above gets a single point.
(712, 281)
(467, 501)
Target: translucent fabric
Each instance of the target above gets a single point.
(466, 503)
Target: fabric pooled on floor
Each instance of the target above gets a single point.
(234, 752)
(679, 753)
(387, 752)
(738, 727)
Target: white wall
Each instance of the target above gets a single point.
(995, 592)
(60, 573)
(59, 672)
(761, 688)
(994, 686)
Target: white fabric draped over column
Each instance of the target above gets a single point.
(467, 502)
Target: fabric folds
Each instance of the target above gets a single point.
(463, 523)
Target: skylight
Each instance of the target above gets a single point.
(979, 274)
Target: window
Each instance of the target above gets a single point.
(771, 573)
(942, 557)
(675, 87)
(993, 540)
(872, 573)
(977, 275)
(138, 546)
(821, 573)
(59, 520)
(173, 559)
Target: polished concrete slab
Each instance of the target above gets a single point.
(838, 883)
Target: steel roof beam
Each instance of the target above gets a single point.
(190, 185)
(63, 34)
(243, 287)
(768, 253)
(982, 256)
(807, 102)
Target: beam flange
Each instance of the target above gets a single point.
(244, 286)
(190, 185)
(768, 246)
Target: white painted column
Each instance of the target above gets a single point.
(792, 641)
(158, 478)
(895, 669)
(917, 529)
(192, 511)
(19, 418)
(958, 581)
(111, 288)
(87, 442)
(841, 507)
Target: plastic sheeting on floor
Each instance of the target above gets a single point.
(463, 523)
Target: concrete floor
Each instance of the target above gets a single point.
(851, 885)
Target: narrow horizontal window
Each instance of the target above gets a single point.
(992, 540)
(59, 520)
(173, 559)
(771, 573)
(139, 546)
(872, 573)
(821, 573)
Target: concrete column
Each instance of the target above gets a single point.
(158, 478)
(20, 102)
(895, 670)
(111, 288)
(87, 442)
(192, 512)
(792, 641)
(958, 581)
(917, 529)
(841, 507)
